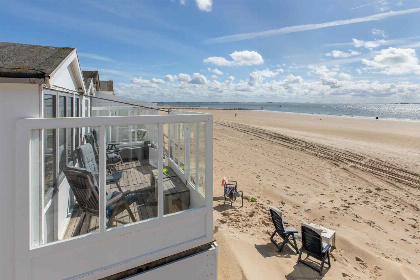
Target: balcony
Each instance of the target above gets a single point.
(109, 193)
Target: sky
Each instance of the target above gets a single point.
(321, 51)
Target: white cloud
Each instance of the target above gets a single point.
(378, 32)
(258, 76)
(382, 6)
(170, 78)
(95, 56)
(331, 82)
(215, 71)
(214, 77)
(140, 82)
(182, 2)
(394, 61)
(323, 71)
(342, 54)
(328, 74)
(183, 77)
(368, 44)
(229, 80)
(204, 5)
(198, 79)
(368, 4)
(290, 87)
(239, 58)
(359, 71)
(157, 81)
(345, 76)
(306, 27)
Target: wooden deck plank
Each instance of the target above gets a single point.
(142, 210)
(147, 205)
(85, 226)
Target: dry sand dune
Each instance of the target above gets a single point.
(359, 177)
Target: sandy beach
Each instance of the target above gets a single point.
(359, 177)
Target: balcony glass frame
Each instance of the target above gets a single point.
(28, 199)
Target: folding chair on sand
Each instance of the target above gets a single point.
(313, 246)
(231, 191)
(286, 233)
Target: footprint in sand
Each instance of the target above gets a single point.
(361, 263)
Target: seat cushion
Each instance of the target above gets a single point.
(111, 207)
(113, 158)
(290, 229)
(114, 177)
(88, 159)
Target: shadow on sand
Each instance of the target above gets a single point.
(301, 271)
(269, 250)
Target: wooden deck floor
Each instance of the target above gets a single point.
(136, 176)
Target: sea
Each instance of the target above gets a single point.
(396, 111)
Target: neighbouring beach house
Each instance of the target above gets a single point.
(97, 186)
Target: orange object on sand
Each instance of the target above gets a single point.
(224, 181)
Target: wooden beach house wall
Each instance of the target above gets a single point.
(21, 99)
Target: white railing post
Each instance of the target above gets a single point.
(169, 141)
(160, 170)
(197, 155)
(187, 151)
(179, 144)
(209, 175)
(102, 178)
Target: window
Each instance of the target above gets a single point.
(57, 199)
(77, 114)
(69, 131)
(62, 158)
(49, 145)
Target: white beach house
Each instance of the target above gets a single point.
(96, 186)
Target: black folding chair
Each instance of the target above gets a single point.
(231, 192)
(286, 233)
(312, 245)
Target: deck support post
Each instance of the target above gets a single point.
(102, 178)
(160, 170)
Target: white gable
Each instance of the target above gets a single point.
(68, 76)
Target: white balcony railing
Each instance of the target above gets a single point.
(179, 149)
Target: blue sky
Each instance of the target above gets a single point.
(203, 50)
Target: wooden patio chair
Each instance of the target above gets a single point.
(286, 233)
(113, 157)
(85, 189)
(87, 159)
(312, 245)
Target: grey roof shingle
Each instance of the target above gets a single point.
(91, 75)
(107, 86)
(30, 61)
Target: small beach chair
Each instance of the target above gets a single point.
(312, 245)
(231, 191)
(286, 233)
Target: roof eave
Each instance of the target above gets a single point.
(11, 80)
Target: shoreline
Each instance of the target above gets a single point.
(297, 113)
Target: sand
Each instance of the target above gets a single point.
(359, 177)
